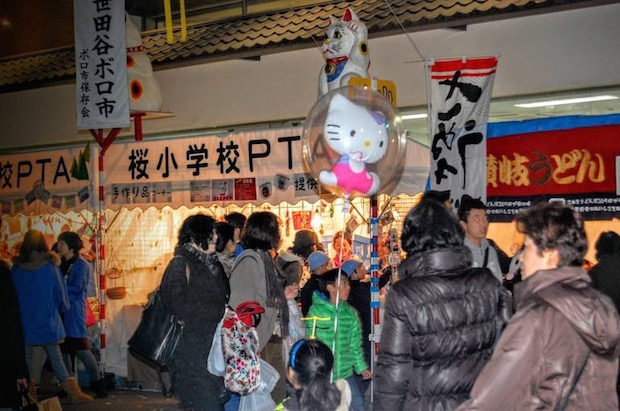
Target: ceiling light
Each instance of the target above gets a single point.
(566, 101)
(414, 116)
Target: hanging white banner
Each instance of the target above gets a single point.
(460, 96)
(252, 167)
(46, 180)
(102, 94)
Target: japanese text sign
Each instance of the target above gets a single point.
(460, 97)
(57, 178)
(574, 165)
(102, 94)
(263, 166)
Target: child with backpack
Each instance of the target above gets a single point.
(309, 371)
(346, 342)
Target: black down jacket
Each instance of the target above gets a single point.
(441, 321)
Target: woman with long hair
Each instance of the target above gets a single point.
(195, 290)
(309, 372)
(42, 297)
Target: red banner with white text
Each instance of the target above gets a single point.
(575, 166)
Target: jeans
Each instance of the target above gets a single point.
(233, 403)
(55, 357)
(357, 396)
(87, 358)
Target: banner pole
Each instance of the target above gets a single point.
(375, 304)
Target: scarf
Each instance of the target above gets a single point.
(275, 280)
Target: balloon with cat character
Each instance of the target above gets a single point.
(354, 142)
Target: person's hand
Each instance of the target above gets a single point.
(366, 374)
(291, 291)
(22, 384)
(210, 248)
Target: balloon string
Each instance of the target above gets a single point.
(345, 210)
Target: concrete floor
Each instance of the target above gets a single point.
(126, 400)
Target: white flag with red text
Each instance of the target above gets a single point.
(460, 96)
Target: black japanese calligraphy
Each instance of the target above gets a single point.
(138, 163)
(230, 155)
(199, 157)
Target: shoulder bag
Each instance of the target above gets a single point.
(158, 334)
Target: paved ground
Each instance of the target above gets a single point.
(126, 400)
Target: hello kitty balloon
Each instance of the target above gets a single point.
(354, 142)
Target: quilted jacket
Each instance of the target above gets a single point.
(349, 355)
(441, 321)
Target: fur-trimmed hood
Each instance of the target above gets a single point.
(37, 260)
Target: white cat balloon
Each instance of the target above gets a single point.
(360, 137)
(345, 51)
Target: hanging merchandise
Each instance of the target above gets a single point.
(116, 291)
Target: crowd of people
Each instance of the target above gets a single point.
(45, 306)
(464, 325)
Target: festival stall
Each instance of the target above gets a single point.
(152, 186)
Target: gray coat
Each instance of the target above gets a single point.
(248, 282)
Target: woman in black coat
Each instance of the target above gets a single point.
(195, 289)
(441, 318)
(13, 368)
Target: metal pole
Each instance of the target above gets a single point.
(101, 265)
(375, 305)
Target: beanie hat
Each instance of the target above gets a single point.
(349, 266)
(304, 238)
(317, 259)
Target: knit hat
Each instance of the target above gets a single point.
(304, 238)
(349, 266)
(317, 259)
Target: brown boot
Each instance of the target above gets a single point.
(74, 392)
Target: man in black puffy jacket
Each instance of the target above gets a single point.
(441, 320)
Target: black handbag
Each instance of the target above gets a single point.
(27, 403)
(157, 336)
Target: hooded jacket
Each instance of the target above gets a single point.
(42, 296)
(561, 324)
(441, 321)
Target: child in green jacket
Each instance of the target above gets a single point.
(348, 352)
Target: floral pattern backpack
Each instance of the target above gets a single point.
(241, 349)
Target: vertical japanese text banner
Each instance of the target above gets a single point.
(102, 94)
(460, 96)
